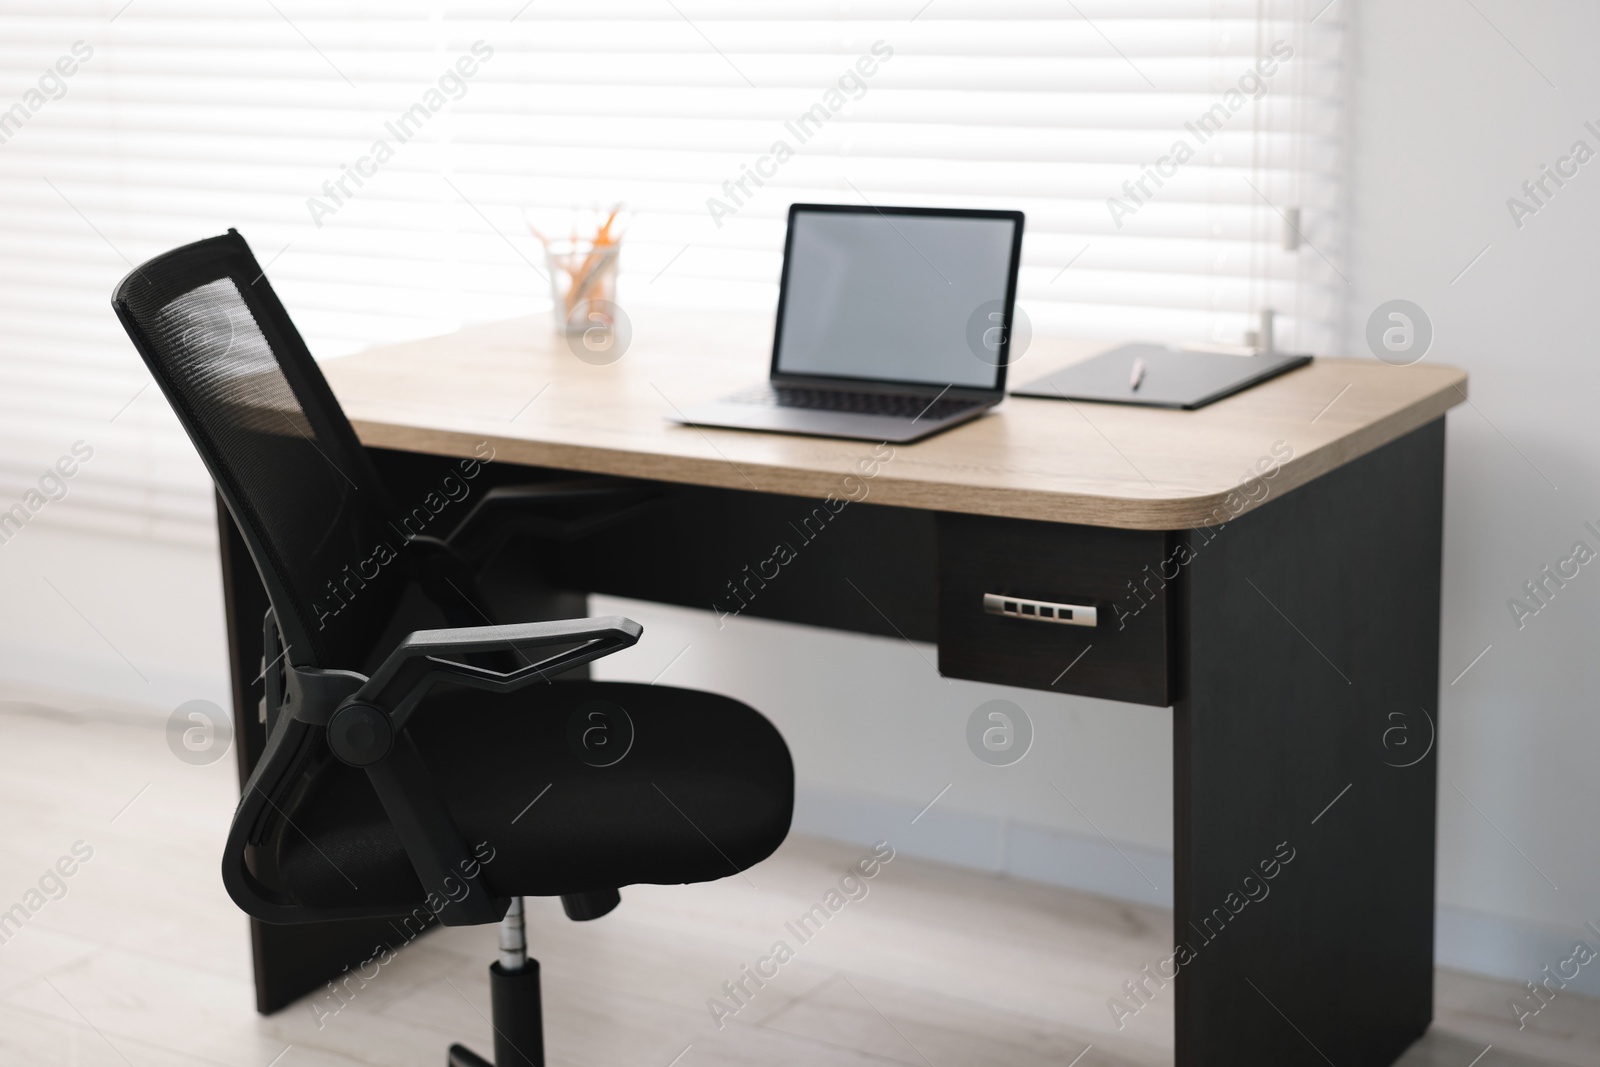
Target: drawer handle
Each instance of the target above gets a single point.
(1040, 610)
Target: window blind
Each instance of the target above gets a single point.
(385, 159)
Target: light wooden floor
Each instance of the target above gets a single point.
(145, 961)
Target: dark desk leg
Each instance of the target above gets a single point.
(1310, 633)
(290, 961)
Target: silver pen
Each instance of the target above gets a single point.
(1138, 375)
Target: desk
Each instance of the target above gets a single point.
(1268, 566)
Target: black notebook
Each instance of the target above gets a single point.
(1168, 377)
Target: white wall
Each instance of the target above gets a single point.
(1449, 120)
(133, 620)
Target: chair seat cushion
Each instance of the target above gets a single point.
(549, 788)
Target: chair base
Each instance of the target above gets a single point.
(517, 1017)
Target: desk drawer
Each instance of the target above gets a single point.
(1043, 605)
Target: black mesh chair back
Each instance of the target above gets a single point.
(406, 768)
(285, 460)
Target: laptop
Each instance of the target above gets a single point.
(893, 323)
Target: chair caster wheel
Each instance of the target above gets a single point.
(462, 1056)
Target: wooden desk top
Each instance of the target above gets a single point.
(517, 386)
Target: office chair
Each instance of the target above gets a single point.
(442, 773)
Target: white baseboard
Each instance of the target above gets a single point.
(1510, 948)
(91, 678)
(1465, 940)
(988, 843)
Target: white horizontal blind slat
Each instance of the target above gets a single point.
(189, 117)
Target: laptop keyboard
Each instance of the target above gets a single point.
(892, 404)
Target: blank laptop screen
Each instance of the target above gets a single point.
(902, 298)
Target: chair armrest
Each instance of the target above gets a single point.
(367, 731)
(426, 658)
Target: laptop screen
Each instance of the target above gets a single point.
(897, 295)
